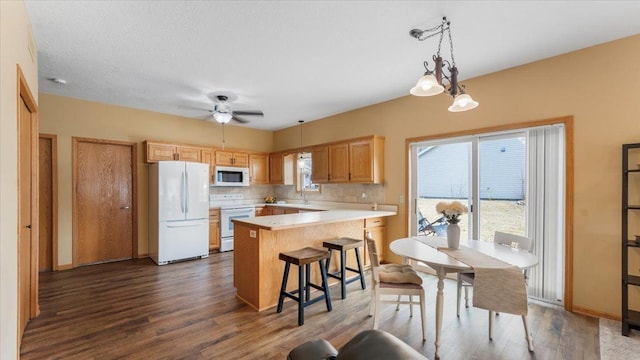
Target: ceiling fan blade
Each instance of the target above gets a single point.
(195, 107)
(240, 120)
(249, 112)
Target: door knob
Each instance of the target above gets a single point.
(125, 207)
(28, 226)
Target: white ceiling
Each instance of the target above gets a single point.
(295, 59)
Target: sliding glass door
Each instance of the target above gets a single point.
(511, 181)
(502, 185)
(443, 174)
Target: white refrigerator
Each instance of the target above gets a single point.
(178, 211)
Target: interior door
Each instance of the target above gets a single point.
(26, 231)
(103, 201)
(46, 200)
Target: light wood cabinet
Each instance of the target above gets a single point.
(359, 160)
(377, 229)
(159, 152)
(277, 210)
(214, 229)
(364, 163)
(320, 164)
(258, 168)
(339, 163)
(276, 168)
(232, 158)
(281, 169)
(206, 157)
(260, 210)
(186, 153)
(164, 151)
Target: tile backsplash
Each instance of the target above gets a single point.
(351, 193)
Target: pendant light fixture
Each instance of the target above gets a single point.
(300, 157)
(431, 83)
(222, 136)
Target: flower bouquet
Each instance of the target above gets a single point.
(270, 200)
(452, 210)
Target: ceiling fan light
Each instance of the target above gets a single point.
(463, 102)
(427, 86)
(222, 117)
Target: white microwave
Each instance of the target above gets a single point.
(230, 176)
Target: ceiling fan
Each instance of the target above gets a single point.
(223, 112)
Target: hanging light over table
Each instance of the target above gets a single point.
(431, 83)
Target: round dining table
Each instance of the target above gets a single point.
(424, 249)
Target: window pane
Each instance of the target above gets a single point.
(502, 186)
(443, 175)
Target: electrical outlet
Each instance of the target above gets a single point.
(401, 199)
(364, 195)
(252, 234)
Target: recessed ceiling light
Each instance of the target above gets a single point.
(58, 81)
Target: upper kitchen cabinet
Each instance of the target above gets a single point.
(206, 157)
(281, 168)
(259, 168)
(232, 158)
(187, 153)
(358, 160)
(163, 151)
(366, 160)
(320, 164)
(339, 163)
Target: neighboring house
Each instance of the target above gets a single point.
(443, 171)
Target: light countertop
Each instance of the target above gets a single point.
(288, 221)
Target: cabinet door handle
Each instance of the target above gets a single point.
(126, 207)
(28, 226)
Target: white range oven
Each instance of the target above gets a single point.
(231, 207)
(226, 225)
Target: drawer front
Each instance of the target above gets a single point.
(375, 222)
(214, 215)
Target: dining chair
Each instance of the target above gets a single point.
(466, 279)
(393, 279)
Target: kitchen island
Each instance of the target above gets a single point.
(257, 271)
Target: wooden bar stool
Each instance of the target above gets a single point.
(304, 258)
(342, 245)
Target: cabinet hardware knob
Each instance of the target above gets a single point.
(126, 207)
(28, 226)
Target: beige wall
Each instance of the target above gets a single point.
(15, 35)
(599, 86)
(67, 118)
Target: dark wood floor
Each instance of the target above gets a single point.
(135, 309)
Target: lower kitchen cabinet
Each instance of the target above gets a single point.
(377, 229)
(214, 230)
(277, 210)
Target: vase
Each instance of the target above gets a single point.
(453, 236)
